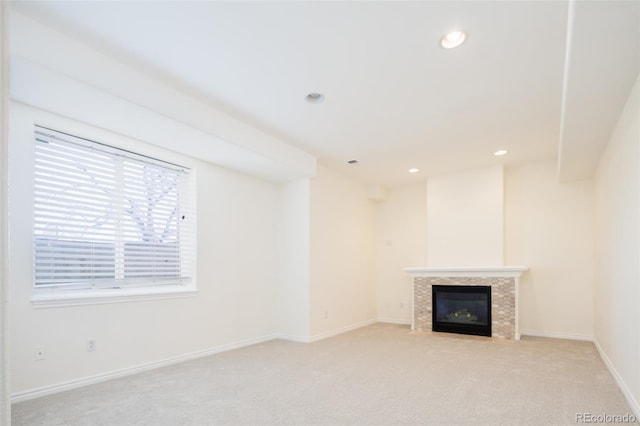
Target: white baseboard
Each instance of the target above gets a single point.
(394, 321)
(85, 381)
(326, 334)
(557, 335)
(341, 330)
(635, 405)
(293, 338)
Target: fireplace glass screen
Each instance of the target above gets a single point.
(462, 309)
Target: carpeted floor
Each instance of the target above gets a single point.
(376, 375)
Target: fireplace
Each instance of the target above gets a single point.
(502, 280)
(462, 309)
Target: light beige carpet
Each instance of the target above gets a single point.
(377, 375)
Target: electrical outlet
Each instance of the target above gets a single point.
(39, 353)
(326, 314)
(91, 345)
(401, 305)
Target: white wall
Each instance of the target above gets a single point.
(293, 291)
(5, 391)
(549, 228)
(617, 289)
(237, 275)
(342, 251)
(465, 218)
(401, 242)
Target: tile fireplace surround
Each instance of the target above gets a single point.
(504, 283)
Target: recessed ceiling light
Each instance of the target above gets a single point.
(500, 152)
(414, 170)
(453, 39)
(314, 98)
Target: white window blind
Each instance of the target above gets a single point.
(108, 218)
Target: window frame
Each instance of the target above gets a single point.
(69, 295)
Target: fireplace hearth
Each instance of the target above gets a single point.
(462, 309)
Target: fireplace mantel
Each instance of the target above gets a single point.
(504, 283)
(497, 271)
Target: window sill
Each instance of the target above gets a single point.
(94, 297)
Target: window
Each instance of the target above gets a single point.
(105, 218)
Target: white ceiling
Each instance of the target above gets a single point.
(394, 98)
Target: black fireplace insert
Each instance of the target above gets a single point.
(462, 309)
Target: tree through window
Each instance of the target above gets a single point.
(107, 218)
